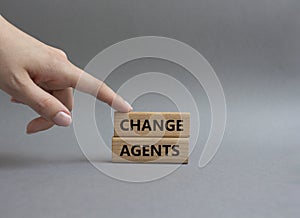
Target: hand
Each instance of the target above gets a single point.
(42, 77)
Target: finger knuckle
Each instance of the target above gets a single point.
(59, 54)
(62, 53)
(55, 63)
(43, 105)
(16, 82)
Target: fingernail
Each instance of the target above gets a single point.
(62, 119)
(129, 105)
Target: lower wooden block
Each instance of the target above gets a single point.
(150, 150)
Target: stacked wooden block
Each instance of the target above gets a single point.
(151, 137)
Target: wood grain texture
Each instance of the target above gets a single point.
(150, 150)
(152, 124)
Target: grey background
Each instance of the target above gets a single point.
(254, 48)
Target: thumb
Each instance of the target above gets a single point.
(46, 105)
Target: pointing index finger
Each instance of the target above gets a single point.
(85, 82)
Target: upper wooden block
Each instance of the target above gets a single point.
(152, 124)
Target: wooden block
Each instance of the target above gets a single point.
(150, 150)
(152, 124)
